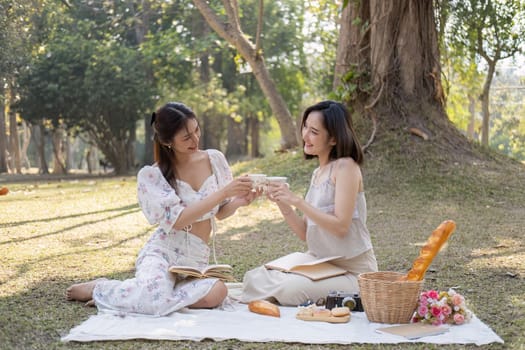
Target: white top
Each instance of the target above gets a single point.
(322, 243)
(162, 205)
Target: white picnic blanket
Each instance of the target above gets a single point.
(236, 322)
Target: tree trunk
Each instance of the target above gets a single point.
(59, 164)
(401, 58)
(113, 152)
(89, 159)
(40, 137)
(404, 52)
(68, 152)
(3, 137)
(236, 140)
(211, 124)
(148, 142)
(232, 33)
(142, 23)
(14, 144)
(350, 53)
(472, 117)
(130, 149)
(26, 140)
(352, 57)
(485, 100)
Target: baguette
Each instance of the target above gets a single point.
(427, 253)
(264, 307)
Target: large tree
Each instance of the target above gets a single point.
(101, 87)
(388, 68)
(229, 28)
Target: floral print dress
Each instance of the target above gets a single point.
(154, 290)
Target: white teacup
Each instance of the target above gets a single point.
(276, 179)
(258, 180)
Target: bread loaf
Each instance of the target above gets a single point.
(264, 307)
(322, 312)
(313, 313)
(427, 253)
(340, 311)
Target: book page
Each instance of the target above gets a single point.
(287, 262)
(318, 271)
(218, 267)
(414, 330)
(184, 269)
(221, 271)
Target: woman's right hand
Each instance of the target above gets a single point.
(280, 193)
(238, 187)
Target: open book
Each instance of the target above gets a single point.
(307, 265)
(221, 271)
(414, 330)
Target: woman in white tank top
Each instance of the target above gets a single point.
(332, 216)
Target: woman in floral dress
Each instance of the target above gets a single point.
(183, 193)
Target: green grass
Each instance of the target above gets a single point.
(54, 233)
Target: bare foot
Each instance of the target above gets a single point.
(81, 291)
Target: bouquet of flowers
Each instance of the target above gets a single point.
(441, 307)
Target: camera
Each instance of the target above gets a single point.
(338, 299)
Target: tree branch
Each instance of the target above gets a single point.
(213, 20)
(231, 11)
(68, 5)
(259, 27)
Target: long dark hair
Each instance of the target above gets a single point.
(338, 123)
(166, 122)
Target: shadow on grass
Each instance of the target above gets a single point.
(128, 209)
(26, 266)
(24, 222)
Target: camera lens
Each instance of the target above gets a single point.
(349, 302)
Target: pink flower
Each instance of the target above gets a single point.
(459, 319)
(441, 307)
(446, 309)
(435, 310)
(422, 311)
(457, 299)
(433, 294)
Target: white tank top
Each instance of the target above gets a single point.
(322, 243)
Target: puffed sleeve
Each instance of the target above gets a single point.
(157, 199)
(220, 167)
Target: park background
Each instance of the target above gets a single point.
(436, 92)
(80, 79)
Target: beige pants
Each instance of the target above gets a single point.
(291, 289)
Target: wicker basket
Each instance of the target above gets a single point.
(386, 299)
